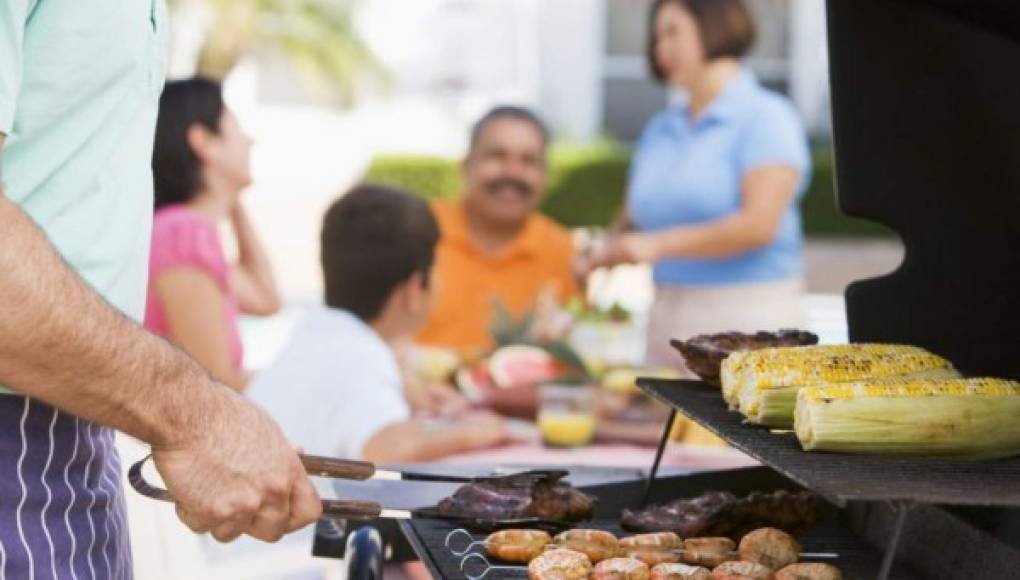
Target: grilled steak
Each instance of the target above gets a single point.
(704, 353)
(514, 497)
(723, 514)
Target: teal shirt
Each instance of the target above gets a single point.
(79, 89)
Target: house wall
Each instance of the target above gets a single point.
(579, 62)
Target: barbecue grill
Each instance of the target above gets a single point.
(857, 558)
(926, 111)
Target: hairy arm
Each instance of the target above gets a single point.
(60, 342)
(194, 308)
(226, 464)
(252, 276)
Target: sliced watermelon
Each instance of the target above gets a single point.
(519, 365)
(474, 380)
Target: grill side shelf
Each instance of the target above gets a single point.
(842, 478)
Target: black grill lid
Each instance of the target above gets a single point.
(841, 477)
(926, 125)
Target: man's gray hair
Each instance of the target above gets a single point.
(508, 112)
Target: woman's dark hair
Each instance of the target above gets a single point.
(373, 239)
(176, 170)
(727, 29)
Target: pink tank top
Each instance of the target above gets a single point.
(182, 238)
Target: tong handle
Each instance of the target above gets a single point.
(335, 508)
(351, 509)
(338, 468)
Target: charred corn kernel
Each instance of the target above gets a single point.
(737, 367)
(763, 384)
(962, 418)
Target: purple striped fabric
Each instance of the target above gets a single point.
(61, 508)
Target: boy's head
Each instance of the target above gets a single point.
(378, 246)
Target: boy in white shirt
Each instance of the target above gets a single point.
(336, 388)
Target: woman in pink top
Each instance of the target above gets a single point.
(200, 166)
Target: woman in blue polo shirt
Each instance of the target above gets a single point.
(713, 191)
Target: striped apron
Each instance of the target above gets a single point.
(61, 508)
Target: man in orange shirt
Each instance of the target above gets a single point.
(495, 247)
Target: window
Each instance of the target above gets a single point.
(631, 97)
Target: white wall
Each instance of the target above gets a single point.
(572, 61)
(809, 63)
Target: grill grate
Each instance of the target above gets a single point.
(857, 560)
(841, 477)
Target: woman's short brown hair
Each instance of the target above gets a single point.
(727, 28)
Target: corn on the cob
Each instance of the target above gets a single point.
(963, 418)
(737, 366)
(763, 384)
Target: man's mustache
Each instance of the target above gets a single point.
(521, 187)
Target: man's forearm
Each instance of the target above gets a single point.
(62, 343)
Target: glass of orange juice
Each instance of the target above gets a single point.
(566, 414)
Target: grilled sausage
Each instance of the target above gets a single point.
(653, 549)
(680, 572)
(809, 572)
(708, 552)
(517, 546)
(560, 564)
(770, 547)
(621, 569)
(596, 544)
(741, 571)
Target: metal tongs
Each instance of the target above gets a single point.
(345, 509)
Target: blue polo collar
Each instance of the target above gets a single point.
(730, 103)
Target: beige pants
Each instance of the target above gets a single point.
(685, 311)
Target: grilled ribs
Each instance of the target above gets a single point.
(720, 513)
(704, 353)
(515, 497)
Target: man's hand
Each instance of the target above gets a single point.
(238, 475)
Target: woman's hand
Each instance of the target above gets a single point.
(633, 248)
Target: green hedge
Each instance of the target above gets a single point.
(429, 177)
(587, 184)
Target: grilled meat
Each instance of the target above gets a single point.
(680, 572)
(770, 547)
(516, 497)
(685, 517)
(723, 514)
(560, 564)
(704, 353)
(598, 545)
(813, 571)
(653, 549)
(621, 569)
(517, 546)
(708, 552)
(741, 571)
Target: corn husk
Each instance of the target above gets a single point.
(962, 418)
